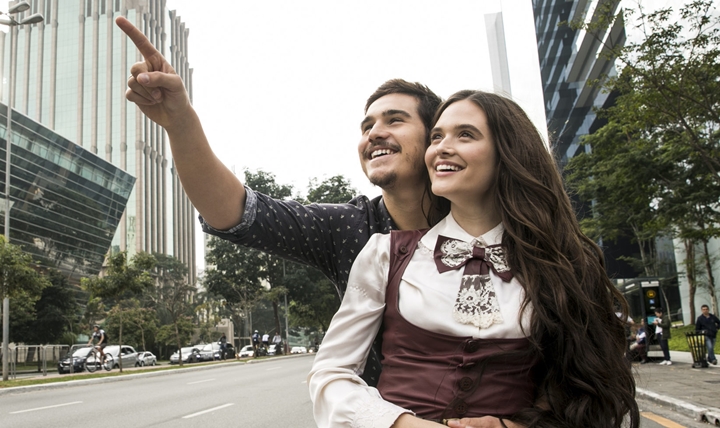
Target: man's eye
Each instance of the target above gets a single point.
(394, 119)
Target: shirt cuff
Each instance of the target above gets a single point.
(247, 219)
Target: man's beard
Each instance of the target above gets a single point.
(385, 180)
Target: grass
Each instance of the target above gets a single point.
(678, 341)
(85, 375)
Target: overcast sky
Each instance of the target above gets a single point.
(281, 86)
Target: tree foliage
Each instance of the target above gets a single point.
(122, 281)
(658, 157)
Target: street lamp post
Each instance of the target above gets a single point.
(7, 19)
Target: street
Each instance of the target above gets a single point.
(247, 395)
(258, 394)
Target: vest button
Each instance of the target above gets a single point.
(461, 408)
(472, 346)
(403, 250)
(466, 383)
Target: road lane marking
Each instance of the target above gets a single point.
(46, 407)
(208, 410)
(273, 368)
(662, 421)
(200, 381)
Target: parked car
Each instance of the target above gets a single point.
(190, 354)
(146, 358)
(275, 349)
(209, 352)
(298, 350)
(246, 351)
(229, 352)
(78, 360)
(129, 355)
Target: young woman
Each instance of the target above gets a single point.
(500, 315)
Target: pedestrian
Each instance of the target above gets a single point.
(662, 334)
(639, 345)
(709, 324)
(277, 341)
(223, 346)
(266, 340)
(502, 312)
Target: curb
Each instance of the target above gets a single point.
(710, 415)
(126, 377)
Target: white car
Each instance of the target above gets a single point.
(147, 358)
(190, 354)
(246, 351)
(129, 356)
(298, 350)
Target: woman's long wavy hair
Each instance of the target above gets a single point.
(584, 379)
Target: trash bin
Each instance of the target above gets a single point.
(696, 342)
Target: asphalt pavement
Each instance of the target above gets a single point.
(694, 392)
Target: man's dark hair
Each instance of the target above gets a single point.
(428, 102)
(704, 306)
(659, 309)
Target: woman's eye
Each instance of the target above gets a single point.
(465, 134)
(435, 137)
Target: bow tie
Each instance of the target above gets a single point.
(452, 254)
(476, 303)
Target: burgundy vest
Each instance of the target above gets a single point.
(441, 376)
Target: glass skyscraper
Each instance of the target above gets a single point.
(65, 202)
(71, 75)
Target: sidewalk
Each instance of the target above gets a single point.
(687, 390)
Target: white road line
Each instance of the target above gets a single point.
(200, 381)
(46, 407)
(208, 410)
(272, 368)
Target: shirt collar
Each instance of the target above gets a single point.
(450, 228)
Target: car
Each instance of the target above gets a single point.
(190, 354)
(275, 349)
(129, 355)
(146, 358)
(209, 352)
(298, 350)
(246, 351)
(229, 352)
(78, 360)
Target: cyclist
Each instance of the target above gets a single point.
(256, 340)
(101, 337)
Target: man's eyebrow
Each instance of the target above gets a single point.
(386, 113)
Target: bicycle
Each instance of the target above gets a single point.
(93, 361)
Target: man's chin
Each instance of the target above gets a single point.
(383, 181)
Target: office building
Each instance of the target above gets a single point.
(71, 75)
(65, 202)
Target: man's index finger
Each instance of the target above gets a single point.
(147, 50)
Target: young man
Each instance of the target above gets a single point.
(326, 236)
(101, 340)
(710, 324)
(662, 333)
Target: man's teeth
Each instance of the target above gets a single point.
(377, 153)
(447, 168)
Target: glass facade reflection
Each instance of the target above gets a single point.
(66, 203)
(70, 74)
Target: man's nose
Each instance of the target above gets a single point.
(377, 133)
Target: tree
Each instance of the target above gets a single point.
(167, 334)
(55, 312)
(173, 291)
(18, 280)
(334, 190)
(122, 281)
(667, 98)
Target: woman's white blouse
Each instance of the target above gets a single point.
(427, 298)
